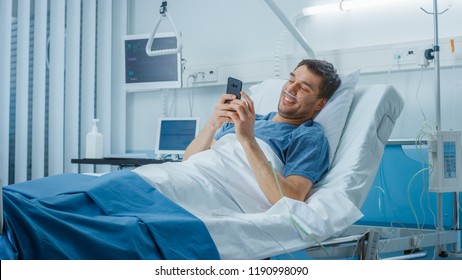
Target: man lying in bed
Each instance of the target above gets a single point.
(235, 168)
(121, 216)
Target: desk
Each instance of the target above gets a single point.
(121, 162)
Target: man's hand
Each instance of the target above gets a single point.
(222, 111)
(243, 117)
(205, 140)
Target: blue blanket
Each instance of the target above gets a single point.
(116, 216)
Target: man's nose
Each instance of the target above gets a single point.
(293, 88)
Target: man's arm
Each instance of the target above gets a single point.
(295, 187)
(204, 139)
(202, 142)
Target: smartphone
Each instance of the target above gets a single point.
(234, 86)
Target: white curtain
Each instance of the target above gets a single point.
(5, 58)
(22, 89)
(39, 89)
(57, 75)
(72, 96)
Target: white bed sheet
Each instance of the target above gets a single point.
(244, 229)
(217, 180)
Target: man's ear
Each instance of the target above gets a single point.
(321, 103)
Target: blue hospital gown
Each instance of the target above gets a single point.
(303, 149)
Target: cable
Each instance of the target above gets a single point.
(417, 94)
(425, 132)
(390, 69)
(173, 103)
(191, 98)
(409, 198)
(191, 102)
(297, 226)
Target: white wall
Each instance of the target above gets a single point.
(240, 37)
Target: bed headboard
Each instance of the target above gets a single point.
(372, 116)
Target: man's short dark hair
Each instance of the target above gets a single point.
(330, 79)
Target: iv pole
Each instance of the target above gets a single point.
(435, 55)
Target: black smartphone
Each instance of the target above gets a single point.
(234, 86)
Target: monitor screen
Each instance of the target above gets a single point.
(175, 134)
(143, 72)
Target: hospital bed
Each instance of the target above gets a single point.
(357, 122)
(399, 214)
(356, 151)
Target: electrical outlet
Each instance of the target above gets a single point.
(405, 55)
(208, 75)
(411, 55)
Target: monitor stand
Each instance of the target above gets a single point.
(174, 157)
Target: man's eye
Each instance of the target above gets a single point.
(305, 90)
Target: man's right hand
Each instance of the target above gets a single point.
(205, 140)
(220, 114)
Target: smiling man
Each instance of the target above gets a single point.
(291, 133)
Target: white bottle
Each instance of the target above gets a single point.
(94, 142)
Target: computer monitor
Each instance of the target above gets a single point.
(143, 72)
(175, 134)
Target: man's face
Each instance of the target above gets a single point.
(299, 99)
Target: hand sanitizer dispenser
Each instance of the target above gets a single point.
(94, 147)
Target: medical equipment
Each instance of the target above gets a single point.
(447, 157)
(407, 241)
(164, 51)
(173, 135)
(387, 212)
(143, 72)
(445, 161)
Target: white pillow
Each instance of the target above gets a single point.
(332, 117)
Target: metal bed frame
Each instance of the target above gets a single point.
(367, 242)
